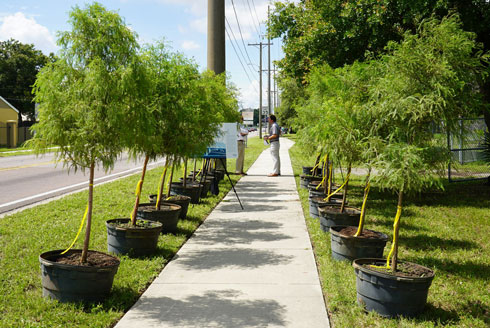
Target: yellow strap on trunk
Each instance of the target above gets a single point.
(342, 186)
(160, 188)
(366, 191)
(392, 250)
(78, 233)
(138, 188)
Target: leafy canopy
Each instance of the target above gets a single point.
(85, 107)
(19, 65)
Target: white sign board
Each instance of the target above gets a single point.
(225, 142)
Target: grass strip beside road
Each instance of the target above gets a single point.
(448, 231)
(25, 235)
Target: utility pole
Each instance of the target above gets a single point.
(216, 44)
(216, 36)
(275, 91)
(269, 103)
(261, 44)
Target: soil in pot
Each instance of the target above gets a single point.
(331, 216)
(66, 280)
(403, 293)
(182, 201)
(137, 240)
(347, 247)
(168, 215)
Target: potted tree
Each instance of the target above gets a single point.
(427, 78)
(355, 141)
(84, 104)
(212, 103)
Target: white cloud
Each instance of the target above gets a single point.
(249, 96)
(27, 30)
(200, 25)
(196, 7)
(189, 45)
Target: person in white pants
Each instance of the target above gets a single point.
(241, 134)
(273, 139)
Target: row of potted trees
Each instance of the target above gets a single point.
(104, 95)
(381, 114)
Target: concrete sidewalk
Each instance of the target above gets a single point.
(250, 268)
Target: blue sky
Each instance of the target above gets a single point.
(183, 23)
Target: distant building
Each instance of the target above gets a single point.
(9, 116)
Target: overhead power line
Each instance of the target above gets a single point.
(240, 30)
(240, 49)
(257, 16)
(253, 20)
(238, 56)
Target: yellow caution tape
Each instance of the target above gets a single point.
(366, 192)
(78, 233)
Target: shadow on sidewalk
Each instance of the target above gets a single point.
(239, 232)
(216, 308)
(212, 259)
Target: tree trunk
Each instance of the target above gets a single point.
(139, 187)
(162, 185)
(185, 173)
(326, 181)
(364, 200)
(171, 177)
(394, 259)
(89, 214)
(317, 162)
(194, 173)
(344, 195)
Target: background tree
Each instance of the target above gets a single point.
(340, 32)
(19, 65)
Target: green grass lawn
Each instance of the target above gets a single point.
(447, 231)
(25, 235)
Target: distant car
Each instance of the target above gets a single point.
(252, 129)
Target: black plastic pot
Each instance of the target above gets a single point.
(317, 202)
(307, 170)
(349, 248)
(314, 192)
(330, 216)
(75, 283)
(388, 295)
(168, 215)
(183, 202)
(191, 190)
(205, 186)
(136, 241)
(305, 180)
(218, 174)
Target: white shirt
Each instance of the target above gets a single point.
(241, 133)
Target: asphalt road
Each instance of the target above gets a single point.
(26, 179)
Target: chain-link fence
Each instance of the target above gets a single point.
(467, 151)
